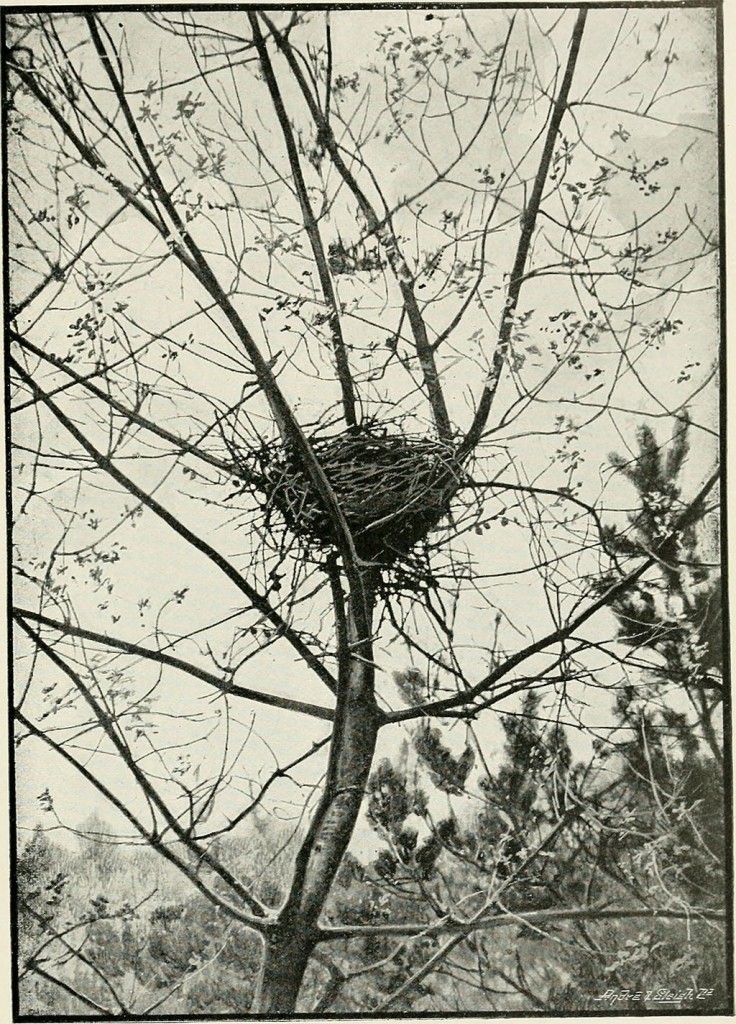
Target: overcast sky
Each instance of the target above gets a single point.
(644, 95)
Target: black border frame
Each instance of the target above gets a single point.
(714, 5)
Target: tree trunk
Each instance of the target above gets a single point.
(357, 718)
(285, 958)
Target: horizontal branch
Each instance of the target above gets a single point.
(565, 495)
(171, 661)
(534, 917)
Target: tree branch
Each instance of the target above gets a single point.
(282, 412)
(179, 443)
(108, 724)
(533, 917)
(436, 708)
(85, 1000)
(160, 658)
(528, 224)
(151, 836)
(384, 232)
(310, 224)
(257, 600)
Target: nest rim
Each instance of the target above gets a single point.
(393, 489)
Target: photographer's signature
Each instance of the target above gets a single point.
(658, 996)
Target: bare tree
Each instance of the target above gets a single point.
(322, 330)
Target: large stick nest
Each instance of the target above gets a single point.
(392, 489)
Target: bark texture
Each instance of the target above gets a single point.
(289, 945)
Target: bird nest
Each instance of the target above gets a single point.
(392, 490)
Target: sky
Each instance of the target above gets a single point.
(623, 116)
